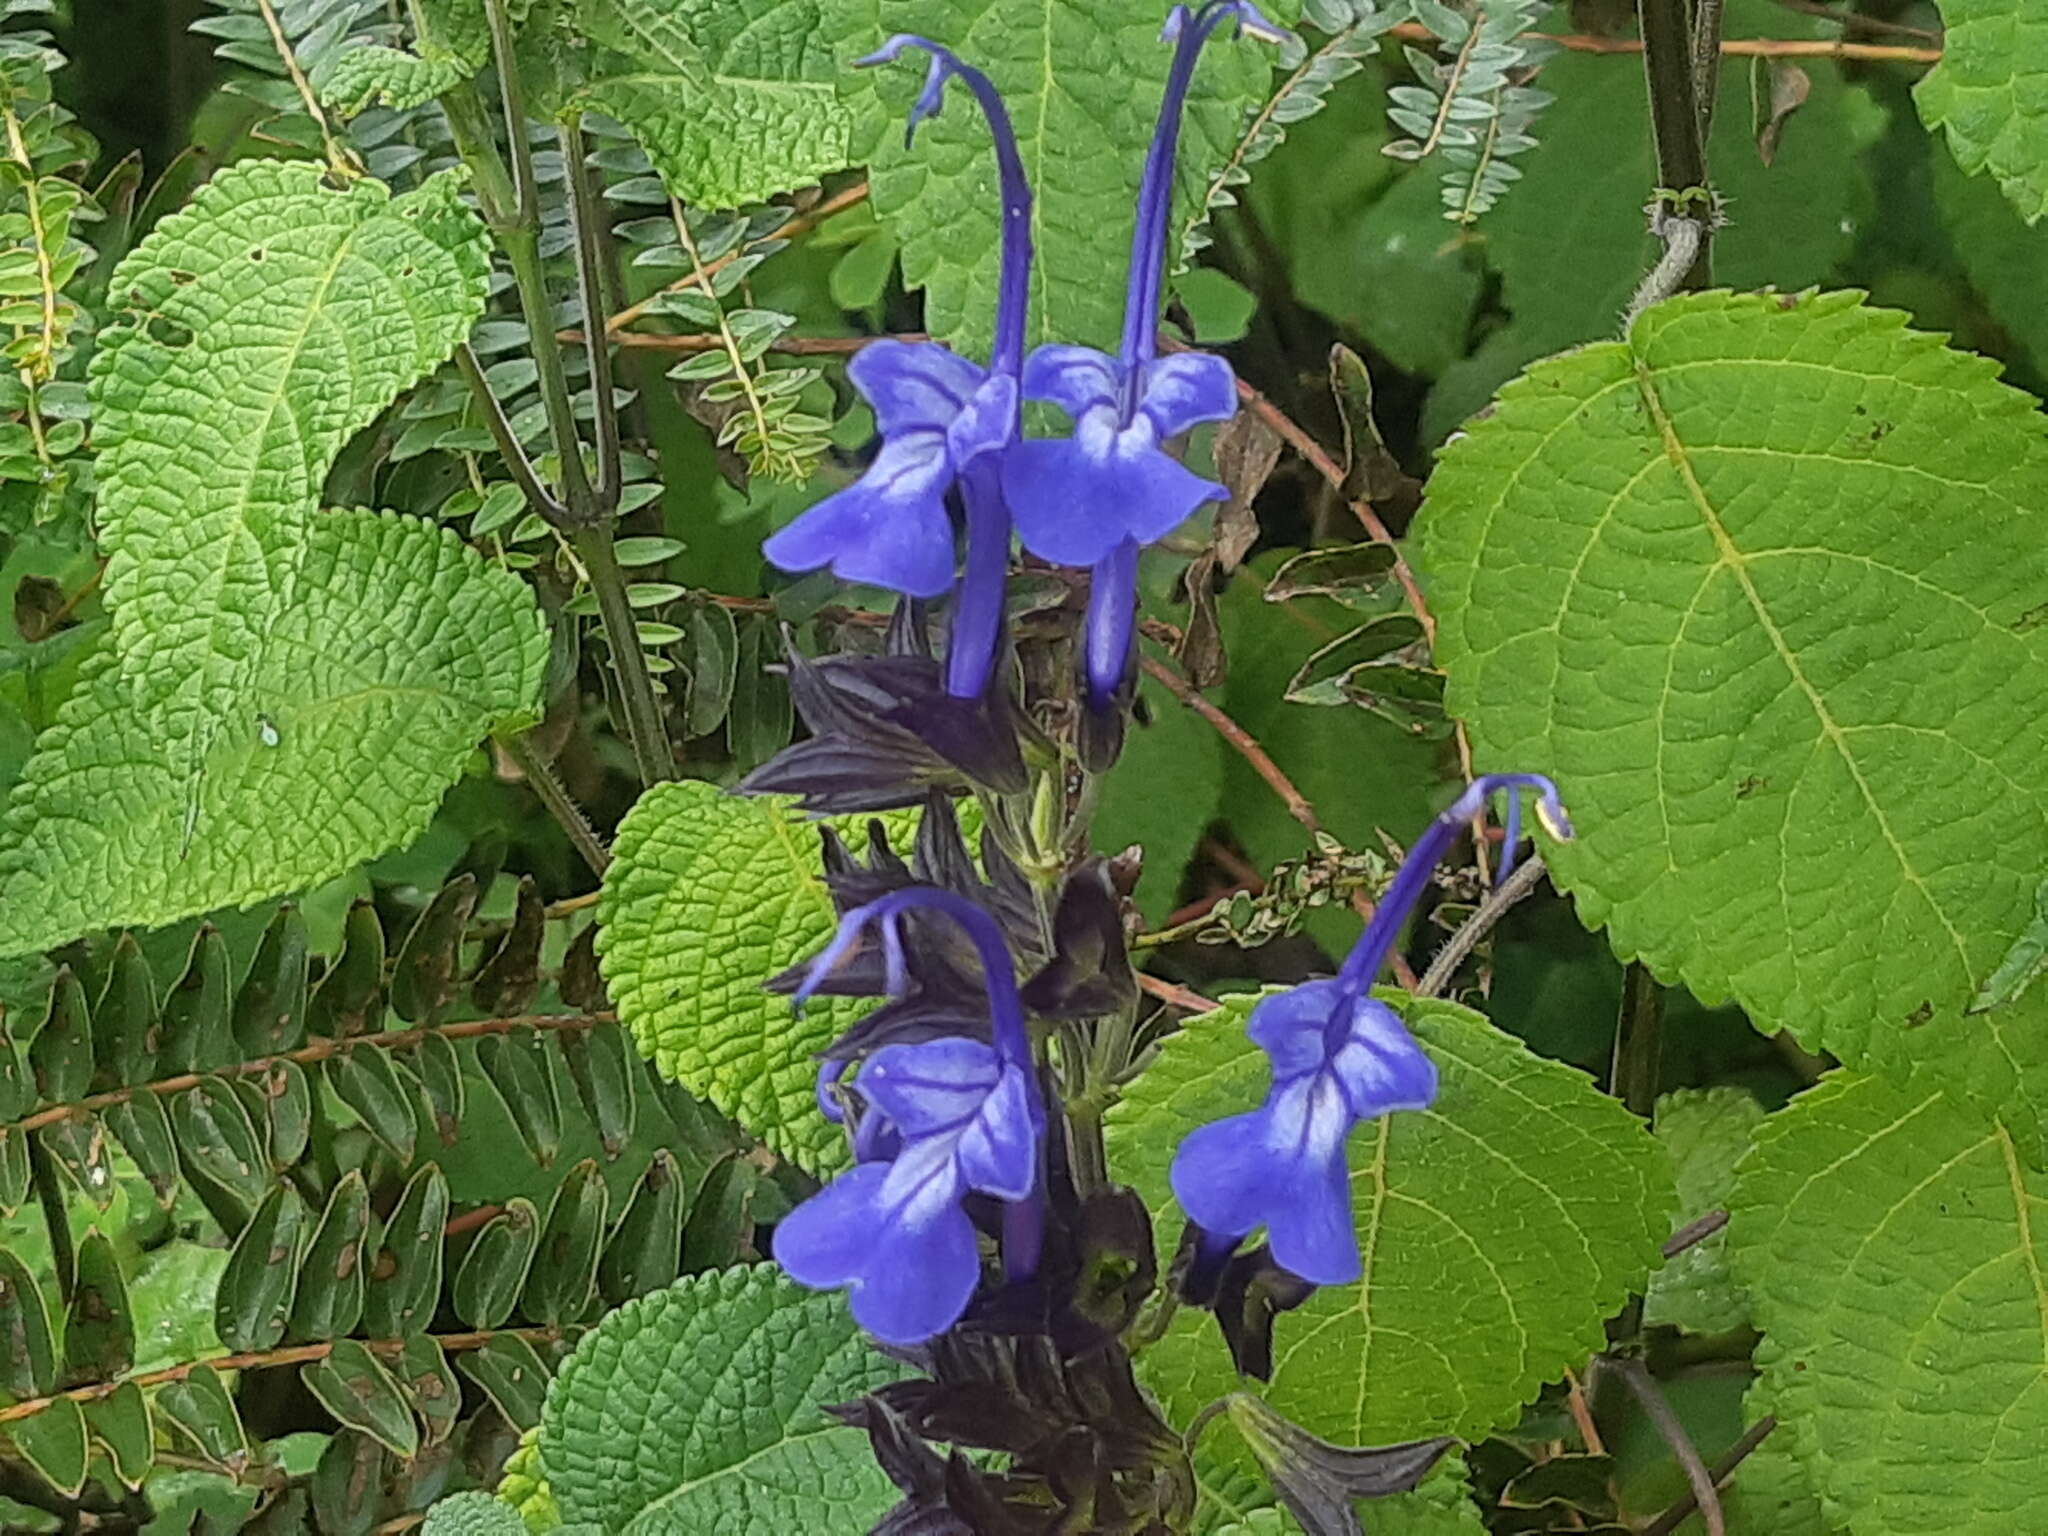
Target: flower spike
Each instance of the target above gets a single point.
(940, 417)
(941, 1119)
(1339, 1056)
(1096, 497)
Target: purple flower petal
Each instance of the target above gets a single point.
(1292, 1026)
(987, 423)
(1220, 1176)
(1076, 379)
(931, 1088)
(1379, 1066)
(830, 1239)
(889, 528)
(998, 1151)
(914, 385)
(1309, 1224)
(1074, 499)
(1185, 390)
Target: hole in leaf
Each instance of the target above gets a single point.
(167, 332)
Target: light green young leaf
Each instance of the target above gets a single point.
(473, 1514)
(707, 896)
(734, 100)
(1706, 1131)
(1990, 91)
(1082, 79)
(1760, 587)
(453, 43)
(715, 1388)
(290, 691)
(1499, 1228)
(1893, 1245)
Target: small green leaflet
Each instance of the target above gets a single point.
(453, 42)
(733, 100)
(1759, 586)
(290, 691)
(716, 1386)
(1894, 1246)
(1986, 92)
(1500, 1227)
(707, 896)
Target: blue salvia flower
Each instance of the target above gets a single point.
(940, 1120)
(1339, 1056)
(1097, 497)
(944, 421)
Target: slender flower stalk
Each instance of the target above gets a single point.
(938, 1120)
(1097, 497)
(944, 422)
(1339, 1056)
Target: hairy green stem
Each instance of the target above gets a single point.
(540, 775)
(646, 732)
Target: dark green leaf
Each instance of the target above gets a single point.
(330, 1295)
(78, 1145)
(347, 1485)
(270, 1011)
(347, 1001)
(425, 977)
(17, 1081)
(280, 1105)
(15, 1173)
(507, 981)
(714, 666)
(493, 1272)
(511, 1375)
(1370, 470)
(1317, 680)
(201, 1409)
(99, 1325)
(124, 1021)
(121, 1423)
(721, 1216)
(520, 1072)
(760, 719)
(429, 1384)
(405, 1271)
(143, 1127)
(645, 1251)
(218, 1141)
(55, 1443)
(353, 1385)
(363, 1078)
(607, 1072)
(61, 1053)
(1353, 574)
(198, 1013)
(439, 1066)
(255, 1296)
(563, 1279)
(28, 1349)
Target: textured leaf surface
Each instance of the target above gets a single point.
(2007, 261)
(1499, 1228)
(453, 43)
(696, 1411)
(473, 1514)
(1760, 587)
(1083, 80)
(1990, 91)
(1894, 1246)
(291, 690)
(707, 896)
(734, 100)
(1706, 1131)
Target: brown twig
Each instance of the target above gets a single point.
(1706, 1497)
(294, 1354)
(1856, 22)
(1723, 1469)
(1582, 1414)
(1478, 925)
(1731, 47)
(1694, 1232)
(789, 229)
(319, 1050)
(1178, 996)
